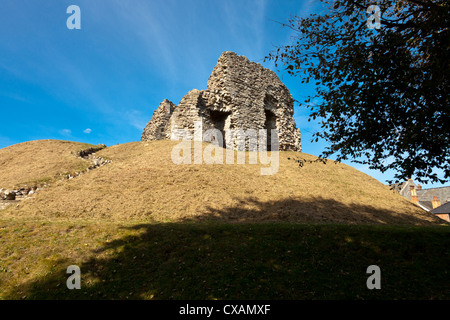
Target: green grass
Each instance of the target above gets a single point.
(221, 260)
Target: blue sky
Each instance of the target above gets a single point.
(102, 83)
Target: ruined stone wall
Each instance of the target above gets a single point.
(253, 93)
(240, 95)
(156, 128)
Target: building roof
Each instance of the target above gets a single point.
(427, 205)
(442, 193)
(404, 188)
(424, 195)
(445, 208)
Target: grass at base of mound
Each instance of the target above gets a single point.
(280, 261)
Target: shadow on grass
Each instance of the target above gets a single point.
(222, 260)
(318, 210)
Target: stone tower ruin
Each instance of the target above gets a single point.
(240, 95)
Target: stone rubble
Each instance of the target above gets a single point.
(8, 197)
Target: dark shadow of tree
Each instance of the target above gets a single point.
(317, 210)
(210, 258)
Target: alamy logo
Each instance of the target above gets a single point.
(374, 281)
(374, 21)
(74, 20)
(256, 142)
(74, 281)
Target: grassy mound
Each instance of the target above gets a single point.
(107, 222)
(143, 184)
(37, 162)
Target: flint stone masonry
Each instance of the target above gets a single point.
(240, 95)
(85, 153)
(157, 127)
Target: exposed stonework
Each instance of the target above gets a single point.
(240, 95)
(9, 197)
(156, 128)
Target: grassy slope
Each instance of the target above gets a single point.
(37, 162)
(104, 222)
(221, 261)
(142, 184)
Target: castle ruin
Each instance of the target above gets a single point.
(240, 95)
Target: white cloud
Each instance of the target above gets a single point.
(88, 130)
(65, 132)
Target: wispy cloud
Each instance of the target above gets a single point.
(65, 132)
(248, 33)
(306, 8)
(5, 142)
(151, 23)
(14, 96)
(87, 131)
(136, 119)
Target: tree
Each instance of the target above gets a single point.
(382, 94)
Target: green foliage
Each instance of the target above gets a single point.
(382, 93)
